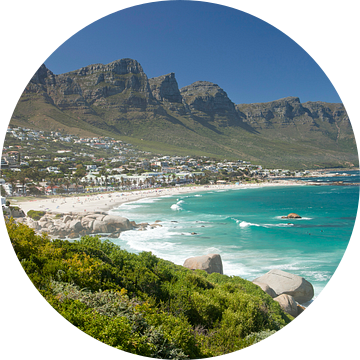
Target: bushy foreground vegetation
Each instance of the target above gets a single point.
(142, 304)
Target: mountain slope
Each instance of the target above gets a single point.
(119, 100)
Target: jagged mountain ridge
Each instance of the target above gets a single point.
(119, 99)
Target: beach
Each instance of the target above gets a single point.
(109, 200)
(242, 222)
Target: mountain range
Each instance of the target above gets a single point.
(119, 100)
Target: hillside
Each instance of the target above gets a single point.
(142, 304)
(118, 99)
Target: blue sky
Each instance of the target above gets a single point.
(250, 59)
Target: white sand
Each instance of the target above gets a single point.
(107, 201)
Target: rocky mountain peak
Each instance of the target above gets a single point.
(165, 87)
(206, 96)
(119, 99)
(41, 74)
(118, 67)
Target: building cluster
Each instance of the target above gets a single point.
(123, 167)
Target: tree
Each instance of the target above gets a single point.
(3, 192)
(33, 190)
(12, 181)
(52, 186)
(22, 179)
(104, 173)
(80, 171)
(92, 184)
(67, 185)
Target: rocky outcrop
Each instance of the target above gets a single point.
(207, 97)
(166, 88)
(266, 288)
(288, 304)
(210, 263)
(13, 212)
(286, 283)
(284, 112)
(79, 224)
(291, 216)
(287, 289)
(119, 98)
(92, 85)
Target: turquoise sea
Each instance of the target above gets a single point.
(245, 227)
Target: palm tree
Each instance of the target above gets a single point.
(104, 173)
(22, 179)
(52, 185)
(92, 184)
(67, 185)
(12, 181)
(76, 180)
(84, 182)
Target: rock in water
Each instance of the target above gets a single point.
(292, 216)
(210, 263)
(285, 283)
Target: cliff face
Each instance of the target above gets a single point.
(119, 99)
(165, 88)
(93, 85)
(289, 111)
(207, 97)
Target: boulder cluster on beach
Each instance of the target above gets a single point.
(289, 290)
(74, 225)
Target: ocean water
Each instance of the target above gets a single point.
(245, 227)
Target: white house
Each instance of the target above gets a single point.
(8, 188)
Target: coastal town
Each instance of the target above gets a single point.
(35, 163)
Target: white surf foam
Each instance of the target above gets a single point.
(244, 224)
(177, 207)
(278, 225)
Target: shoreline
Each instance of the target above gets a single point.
(105, 202)
(78, 207)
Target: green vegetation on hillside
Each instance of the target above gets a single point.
(142, 304)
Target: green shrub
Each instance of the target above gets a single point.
(261, 335)
(126, 328)
(35, 214)
(143, 304)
